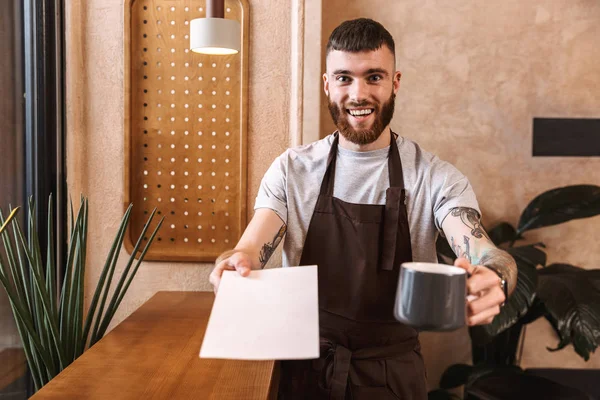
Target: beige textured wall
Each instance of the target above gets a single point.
(474, 75)
(473, 78)
(95, 64)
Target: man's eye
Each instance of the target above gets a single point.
(375, 78)
(343, 79)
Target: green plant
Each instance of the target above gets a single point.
(51, 322)
(567, 296)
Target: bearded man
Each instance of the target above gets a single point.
(358, 203)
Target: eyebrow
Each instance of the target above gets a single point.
(369, 71)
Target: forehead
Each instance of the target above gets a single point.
(362, 61)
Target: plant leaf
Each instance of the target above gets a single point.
(39, 289)
(537, 310)
(112, 306)
(137, 266)
(113, 262)
(529, 255)
(50, 259)
(19, 280)
(484, 370)
(105, 271)
(517, 305)
(441, 394)
(572, 298)
(64, 322)
(560, 205)
(456, 375)
(503, 233)
(11, 216)
(444, 252)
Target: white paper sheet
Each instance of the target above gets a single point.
(270, 315)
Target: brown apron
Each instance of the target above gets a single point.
(365, 352)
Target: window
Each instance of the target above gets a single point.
(31, 144)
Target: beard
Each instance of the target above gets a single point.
(383, 116)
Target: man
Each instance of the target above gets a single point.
(359, 203)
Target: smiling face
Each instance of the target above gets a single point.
(361, 88)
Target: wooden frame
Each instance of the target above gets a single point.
(185, 150)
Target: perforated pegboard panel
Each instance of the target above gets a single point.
(185, 128)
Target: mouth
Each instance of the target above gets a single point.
(360, 113)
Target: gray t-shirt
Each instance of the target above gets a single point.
(291, 186)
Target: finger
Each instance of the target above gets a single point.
(463, 263)
(491, 298)
(241, 263)
(215, 276)
(483, 279)
(214, 280)
(484, 316)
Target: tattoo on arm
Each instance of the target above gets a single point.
(268, 248)
(493, 257)
(459, 251)
(470, 218)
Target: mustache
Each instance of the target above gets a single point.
(360, 104)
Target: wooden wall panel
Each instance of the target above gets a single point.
(185, 128)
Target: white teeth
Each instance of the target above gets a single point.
(360, 112)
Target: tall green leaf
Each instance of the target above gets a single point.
(65, 301)
(21, 314)
(20, 281)
(572, 298)
(113, 303)
(50, 259)
(560, 205)
(43, 297)
(52, 327)
(108, 266)
(100, 312)
(80, 340)
(121, 294)
(8, 220)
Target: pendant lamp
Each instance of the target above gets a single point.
(215, 34)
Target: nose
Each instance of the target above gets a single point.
(358, 91)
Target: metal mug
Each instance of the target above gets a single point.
(431, 297)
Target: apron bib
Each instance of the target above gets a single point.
(365, 352)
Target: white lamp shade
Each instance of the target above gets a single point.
(215, 36)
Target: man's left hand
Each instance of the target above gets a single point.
(484, 290)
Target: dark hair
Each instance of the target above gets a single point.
(358, 35)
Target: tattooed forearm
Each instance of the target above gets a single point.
(470, 218)
(268, 249)
(502, 262)
(458, 250)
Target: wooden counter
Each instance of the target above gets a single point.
(153, 354)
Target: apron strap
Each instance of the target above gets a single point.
(329, 177)
(395, 164)
(395, 198)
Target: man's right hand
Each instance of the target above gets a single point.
(238, 261)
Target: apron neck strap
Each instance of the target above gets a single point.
(394, 166)
(327, 183)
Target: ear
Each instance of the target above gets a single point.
(396, 83)
(325, 84)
